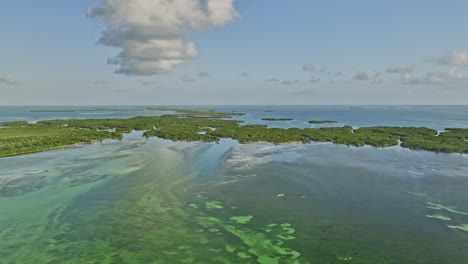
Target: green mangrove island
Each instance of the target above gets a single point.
(277, 119)
(21, 137)
(323, 122)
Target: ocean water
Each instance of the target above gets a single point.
(35, 113)
(156, 201)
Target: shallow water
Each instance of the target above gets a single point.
(157, 201)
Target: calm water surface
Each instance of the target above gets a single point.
(157, 201)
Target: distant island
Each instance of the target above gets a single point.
(83, 110)
(322, 121)
(196, 113)
(277, 119)
(21, 137)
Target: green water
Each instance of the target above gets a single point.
(156, 201)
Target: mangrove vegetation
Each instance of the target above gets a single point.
(322, 122)
(276, 119)
(208, 126)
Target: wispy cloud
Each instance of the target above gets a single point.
(288, 82)
(101, 82)
(9, 80)
(151, 34)
(338, 74)
(437, 78)
(282, 82)
(314, 80)
(204, 74)
(308, 67)
(188, 79)
(400, 69)
(453, 59)
(146, 83)
(405, 71)
(244, 74)
(365, 75)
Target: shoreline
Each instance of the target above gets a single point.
(52, 148)
(211, 126)
(239, 143)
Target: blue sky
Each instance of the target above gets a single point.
(251, 52)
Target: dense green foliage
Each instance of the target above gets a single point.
(277, 119)
(27, 139)
(206, 126)
(322, 121)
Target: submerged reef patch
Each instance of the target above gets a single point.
(451, 209)
(463, 227)
(241, 219)
(440, 217)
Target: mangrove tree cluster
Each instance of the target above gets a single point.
(322, 122)
(276, 119)
(208, 126)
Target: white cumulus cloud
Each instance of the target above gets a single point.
(453, 58)
(151, 34)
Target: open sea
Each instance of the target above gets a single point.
(151, 200)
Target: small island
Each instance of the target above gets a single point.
(322, 122)
(276, 119)
(84, 110)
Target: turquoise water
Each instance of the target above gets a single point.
(157, 201)
(36, 113)
(436, 117)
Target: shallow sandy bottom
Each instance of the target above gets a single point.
(156, 201)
